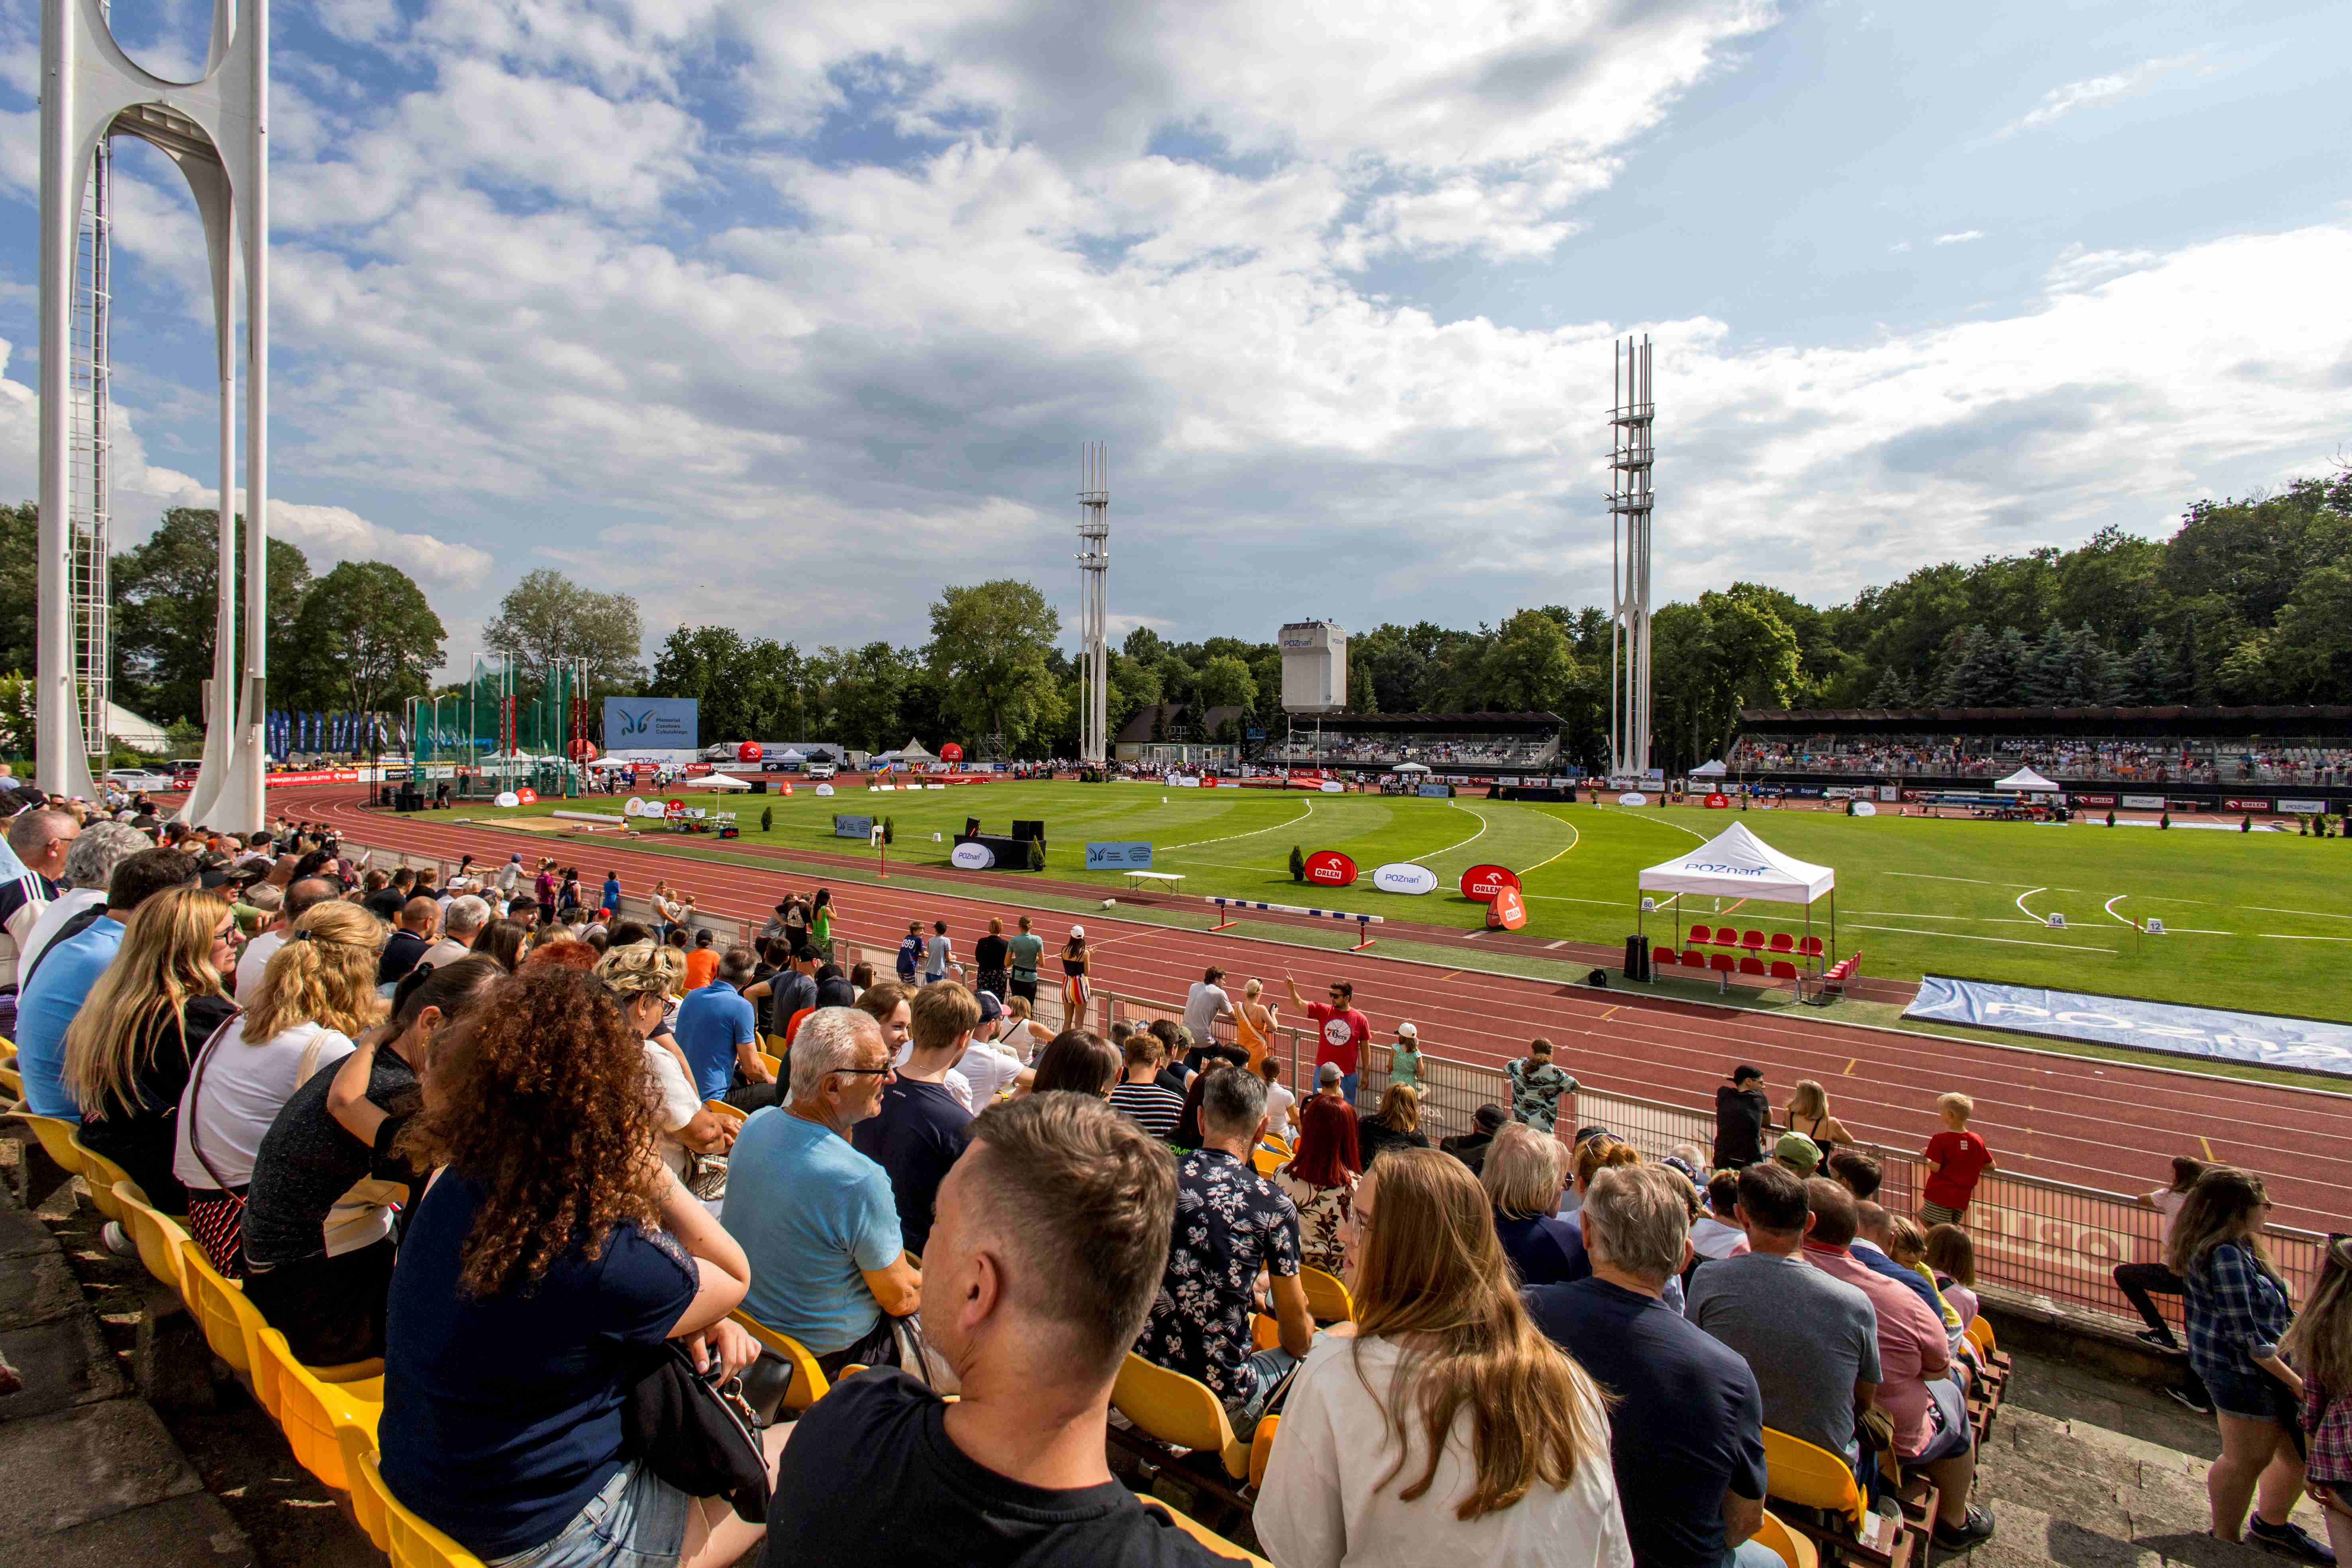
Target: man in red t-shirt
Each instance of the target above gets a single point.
(1956, 1157)
(1342, 1031)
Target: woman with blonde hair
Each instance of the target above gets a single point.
(1446, 1428)
(2321, 1346)
(2239, 1311)
(1808, 1111)
(1254, 1023)
(1023, 1035)
(129, 1049)
(640, 977)
(317, 992)
(1396, 1125)
(1523, 1176)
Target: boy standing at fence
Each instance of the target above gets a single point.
(1955, 1158)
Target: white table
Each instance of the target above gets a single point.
(1140, 881)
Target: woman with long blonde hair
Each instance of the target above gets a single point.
(2239, 1311)
(1446, 1428)
(127, 1050)
(317, 992)
(1808, 1111)
(2320, 1345)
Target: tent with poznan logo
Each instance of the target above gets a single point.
(1736, 865)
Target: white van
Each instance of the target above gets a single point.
(820, 769)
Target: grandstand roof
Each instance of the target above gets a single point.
(2169, 720)
(1455, 723)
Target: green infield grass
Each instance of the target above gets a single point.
(2255, 920)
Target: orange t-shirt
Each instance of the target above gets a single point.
(701, 967)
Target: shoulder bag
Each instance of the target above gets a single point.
(696, 1431)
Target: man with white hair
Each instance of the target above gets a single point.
(1686, 1438)
(817, 1218)
(40, 840)
(88, 867)
(463, 921)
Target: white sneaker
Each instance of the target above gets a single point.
(118, 1241)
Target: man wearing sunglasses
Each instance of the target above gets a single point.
(1342, 1031)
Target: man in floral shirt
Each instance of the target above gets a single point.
(1231, 1223)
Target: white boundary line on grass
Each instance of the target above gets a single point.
(1963, 936)
(1483, 825)
(1228, 839)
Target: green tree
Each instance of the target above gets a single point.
(2310, 656)
(863, 691)
(989, 656)
(1528, 667)
(366, 638)
(749, 689)
(166, 600)
(1226, 681)
(20, 555)
(547, 619)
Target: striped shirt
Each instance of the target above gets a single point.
(1150, 1107)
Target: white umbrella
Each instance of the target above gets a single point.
(715, 781)
(1413, 767)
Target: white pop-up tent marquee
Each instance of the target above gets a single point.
(1710, 770)
(2027, 782)
(1735, 863)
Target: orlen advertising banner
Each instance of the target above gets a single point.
(633, 722)
(2307, 1044)
(318, 777)
(1483, 882)
(1330, 869)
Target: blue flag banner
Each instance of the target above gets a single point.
(2306, 1044)
(1120, 857)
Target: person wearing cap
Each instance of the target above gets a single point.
(992, 1071)
(1798, 1152)
(1742, 1112)
(1470, 1148)
(1404, 1056)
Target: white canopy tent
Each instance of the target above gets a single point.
(1413, 767)
(2026, 781)
(912, 752)
(1710, 770)
(1735, 863)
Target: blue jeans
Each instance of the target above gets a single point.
(638, 1520)
(1347, 1089)
(1265, 1369)
(1752, 1553)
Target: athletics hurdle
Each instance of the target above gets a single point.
(1364, 924)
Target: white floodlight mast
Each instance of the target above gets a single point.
(1631, 413)
(1094, 606)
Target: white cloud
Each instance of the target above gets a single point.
(2060, 101)
(2078, 267)
(1962, 238)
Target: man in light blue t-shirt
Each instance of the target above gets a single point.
(715, 1029)
(63, 972)
(816, 1217)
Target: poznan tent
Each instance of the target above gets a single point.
(2026, 781)
(1736, 865)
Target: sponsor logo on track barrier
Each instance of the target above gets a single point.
(1330, 869)
(973, 857)
(1404, 877)
(1483, 882)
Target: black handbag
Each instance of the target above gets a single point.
(696, 1431)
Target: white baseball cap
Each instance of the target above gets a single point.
(1407, 1032)
(1077, 931)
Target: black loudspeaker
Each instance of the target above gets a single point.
(1637, 958)
(1036, 830)
(971, 828)
(383, 795)
(758, 786)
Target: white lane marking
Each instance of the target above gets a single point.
(2110, 907)
(2029, 892)
(1549, 945)
(2316, 914)
(1979, 881)
(2281, 936)
(1229, 837)
(1450, 848)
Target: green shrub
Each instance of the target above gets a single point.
(767, 819)
(890, 830)
(1297, 865)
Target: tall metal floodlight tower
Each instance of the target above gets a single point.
(1094, 606)
(215, 129)
(88, 465)
(1630, 416)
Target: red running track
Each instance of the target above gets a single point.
(2103, 1124)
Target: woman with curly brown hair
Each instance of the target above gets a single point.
(548, 1255)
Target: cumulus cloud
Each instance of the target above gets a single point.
(2060, 101)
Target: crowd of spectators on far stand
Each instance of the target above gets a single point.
(2088, 759)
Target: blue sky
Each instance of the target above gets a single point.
(785, 316)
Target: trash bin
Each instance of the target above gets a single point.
(1637, 958)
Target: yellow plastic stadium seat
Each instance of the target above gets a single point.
(367, 1497)
(7, 1049)
(312, 1413)
(774, 1064)
(1207, 1537)
(1801, 1472)
(1179, 1411)
(1261, 1448)
(808, 1385)
(221, 1309)
(1326, 1297)
(413, 1543)
(12, 1081)
(1265, 1161)
(1786, 1544)
(727, 1112)
(61, 1138)
(102, 1175)
(158, 1235)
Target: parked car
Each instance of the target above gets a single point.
(137, 779)
(820, 769)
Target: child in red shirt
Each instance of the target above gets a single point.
(1955, 1158)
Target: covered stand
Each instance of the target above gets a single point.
(1735, 863)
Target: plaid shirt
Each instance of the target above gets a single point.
(2237, 1310)
(2329, 1422)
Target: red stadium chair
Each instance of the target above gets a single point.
(1810, 948)
(1726, 937)
(1754, 939)
(1783, 970)
(1701, 934)
(1693, 959)
(1721, 962)
(1783, 943)
(1751, 965)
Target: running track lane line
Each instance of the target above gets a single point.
(2073, 1119)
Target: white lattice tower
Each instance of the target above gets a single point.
(1631, 412)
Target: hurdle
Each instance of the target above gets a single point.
(1364, 924)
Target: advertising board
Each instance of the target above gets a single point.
(1330, 869)
(634, 721)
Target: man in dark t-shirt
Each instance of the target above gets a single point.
(1050, 1239)
(921, 1130)
(1741, 1113)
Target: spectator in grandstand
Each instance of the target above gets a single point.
(817, 1218)
(462, 920)
(1023, 952)
(1140, 1096)
(1232, 1224)
(938, 954)
(127, 1049)
(1470, 1147)
(1404, 1056)
(1496, 1442)
(1078, 1061)
(1341, 1031)
(1811, 1340)
(1522, 1175)
(1397, 1124)
(641, 977)
(1717, 1233)
(1798, 1153)
(1953, 1258)
(1929, 1409)
(1741, 1113)
(1076, 956)
(1857, 1172)
(1322, 1171)
(1955, 1158)
(501, 941)
(1205, 1003)
(40, 838)
(1906, 1243)
(609, 898)
(786, 992)
(910, 954)
(412, 934)
(714, 1029)
(921, 1129)
(1537, 1087)
(991, 1070)
(1595, 1153)
(534, 1276)
(328, 1179)
(1023, 1035)
(988, 956)
(1687, 1421)
(1051, 1235)
(2140, 1282)
(1871, 1245)
(1188, 1123)
(2320, 1346)
(89, 868)
(1254, 1023)
(57, 979)
(1808, 1111)
(1278, 1099)
(2239, 1311)
(702, 963)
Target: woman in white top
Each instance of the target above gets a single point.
(317, 992)
(641, 977)
(1445, 1427)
